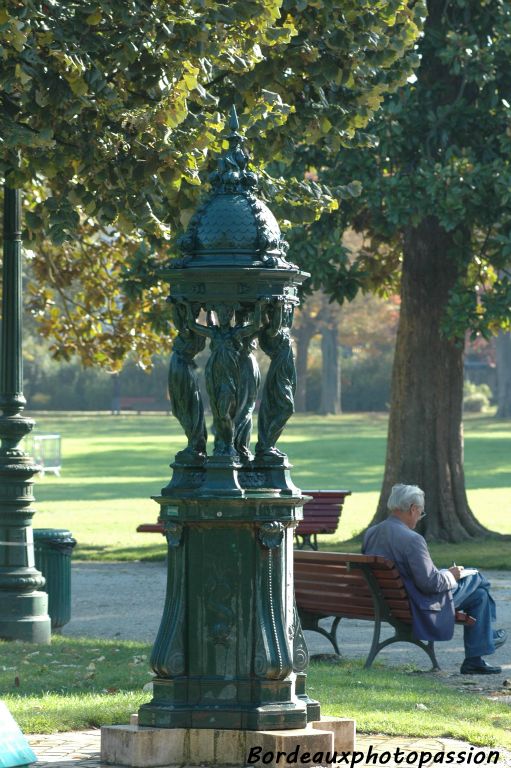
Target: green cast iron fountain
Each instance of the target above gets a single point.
(230, 652)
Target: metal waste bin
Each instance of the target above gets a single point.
(53, 548)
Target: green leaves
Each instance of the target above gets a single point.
(116, 109)
(444, 152)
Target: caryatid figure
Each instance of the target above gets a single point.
(277, 403)
(184, 392)
(223, 371)
(250, 380)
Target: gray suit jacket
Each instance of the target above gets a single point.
(428, 588)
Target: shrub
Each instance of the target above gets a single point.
(365, 382)
(476, 397)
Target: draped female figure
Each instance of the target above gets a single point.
(184, 392)
(223, 371)
(277, 403)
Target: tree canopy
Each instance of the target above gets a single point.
(444, 151)
(110, 111)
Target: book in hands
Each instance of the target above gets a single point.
(468, 572)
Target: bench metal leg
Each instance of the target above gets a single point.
(402, 632)
(376, 646)
(430, 650)
(398, 637)
(312, 623)
(306, 541)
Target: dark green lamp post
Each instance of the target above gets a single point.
(23, 607)
(230, 652)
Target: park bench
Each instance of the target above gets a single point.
(320, 515)
(352, 586)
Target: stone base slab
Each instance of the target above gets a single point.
(343, 729)
(142, 747)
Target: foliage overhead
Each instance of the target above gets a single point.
(444, 151)
(110, 111)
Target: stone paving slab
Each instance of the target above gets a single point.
(81, 749)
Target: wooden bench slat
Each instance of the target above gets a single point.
(323, 506)
(359, 612)
(362, 603)
(331, 568)
(354, 588)
(342, 557)
(331, 493)
(150, 528)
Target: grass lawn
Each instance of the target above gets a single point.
(81, 683)
(112, 465)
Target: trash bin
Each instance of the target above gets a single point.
(53, 548)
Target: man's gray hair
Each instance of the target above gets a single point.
(403, 496)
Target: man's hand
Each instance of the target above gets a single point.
(456, 571)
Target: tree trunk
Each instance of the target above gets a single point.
(330, 371)
(425, 439)
(504, 375)
(302, 337)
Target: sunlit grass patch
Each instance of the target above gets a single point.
(113, 465)
(81, 683)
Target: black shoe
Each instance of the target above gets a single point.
(479, 667)
(499, 637)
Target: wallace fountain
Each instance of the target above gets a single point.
(230, 657)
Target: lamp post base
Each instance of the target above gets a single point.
(25, 617)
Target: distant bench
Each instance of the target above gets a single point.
(140, 404)
(320, 515)
(355, 586)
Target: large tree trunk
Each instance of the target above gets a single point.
(302, 337)
(330, 370)
(504, 375)
(425, 440)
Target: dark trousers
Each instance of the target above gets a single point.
(472, 595)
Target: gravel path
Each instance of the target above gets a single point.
(125, 601)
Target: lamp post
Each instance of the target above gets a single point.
(230, 653)
(23, 607)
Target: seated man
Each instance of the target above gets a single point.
(434, 594)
